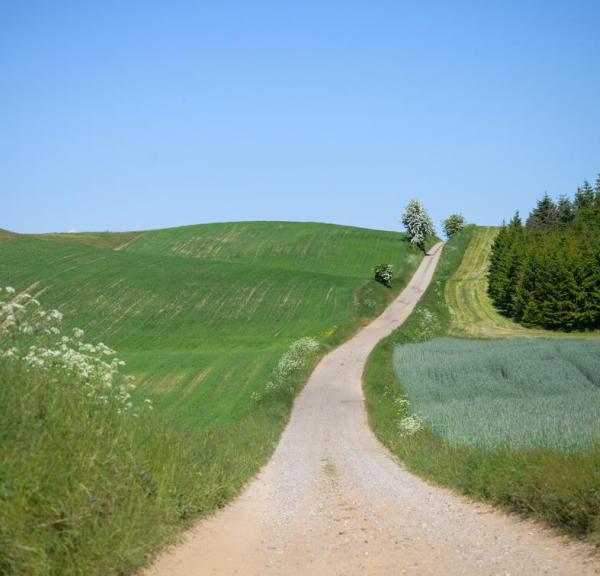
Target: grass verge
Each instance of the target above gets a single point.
(561, 488)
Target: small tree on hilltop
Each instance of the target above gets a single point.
(418, 224)
(453, 225)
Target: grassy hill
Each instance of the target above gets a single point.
(202, 313)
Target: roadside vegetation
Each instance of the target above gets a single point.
(219, 324)
(530, 476)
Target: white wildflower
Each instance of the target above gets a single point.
(410, 425)
(55, 315)
(84, 364)
(401, 403)
(10, 290)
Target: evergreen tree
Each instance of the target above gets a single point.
(548, 273)
(545, 215)
(565, 212)
(584, 197)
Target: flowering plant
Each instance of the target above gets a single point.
(292, 360)
(408, 425)
(33, 338)
(383, 273)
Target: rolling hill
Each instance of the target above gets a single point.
(202, 313)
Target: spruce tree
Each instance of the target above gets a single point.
(545, 215)
(548, 273)
(565, 212)
(584, 197)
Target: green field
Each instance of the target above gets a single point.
(509, 422)
(202, 313)
(521, 394)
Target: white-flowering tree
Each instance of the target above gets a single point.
(418, 223)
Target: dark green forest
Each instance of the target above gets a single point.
(546, 272)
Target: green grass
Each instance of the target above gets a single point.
(201, 328)
(110, 240)
(201, 334)
(529, 393)
(91, 492)
(557, 486)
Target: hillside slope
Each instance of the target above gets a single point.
(202, 332)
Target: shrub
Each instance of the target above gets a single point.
(383, 274)
(453, 225)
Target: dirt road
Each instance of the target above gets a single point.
(332, 501)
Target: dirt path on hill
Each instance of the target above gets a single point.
(332, 501)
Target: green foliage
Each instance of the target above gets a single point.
(548, 273)
(210, 320)
(418, 223)
(526, 393)
(556, 486)
(383, 274)
(453, 225)
(544, 216)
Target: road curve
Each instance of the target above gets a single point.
(332, 501)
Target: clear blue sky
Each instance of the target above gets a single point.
(131, 115)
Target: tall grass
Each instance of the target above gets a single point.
(87, 488)
(557, 486)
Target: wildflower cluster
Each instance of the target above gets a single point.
(33, 336)
(428, 324)
(408, 425)
(292, 360)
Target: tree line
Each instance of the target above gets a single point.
(547, 272)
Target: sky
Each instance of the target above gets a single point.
(140, 114)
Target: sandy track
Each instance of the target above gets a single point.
(332, 501)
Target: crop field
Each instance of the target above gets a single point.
(202, 313)
(531, 393)
(513, 421)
